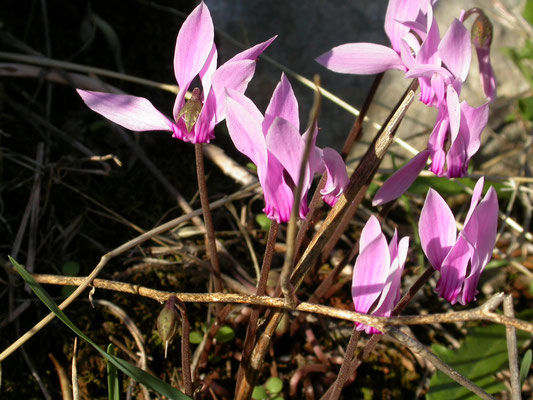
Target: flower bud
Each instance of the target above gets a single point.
(168, 322)
(482, 32)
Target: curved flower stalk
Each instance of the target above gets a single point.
(195, 56)
(274, 144)
(459, 258)
(377, 273)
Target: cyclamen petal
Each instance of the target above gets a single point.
(464, 261)
(455, 50)
(401, 180)
(283, 104)
(377, 272)
(361, 58)
(437, 229)
(397, 12)
(337, 178)
(131, 112)
(193, 45)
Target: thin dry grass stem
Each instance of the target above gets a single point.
(63, 378)
(51, 63)
(130, 325)
(36, 375)
(110, 255)
(75, 387)
(208, 219)
(251, 330)
(418, 348)
(512, 349)
(247, 239)
(286, 271)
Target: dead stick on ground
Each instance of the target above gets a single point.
(482, 313)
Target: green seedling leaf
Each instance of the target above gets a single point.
(274, 385)
(70, 268)
(263, 221)
(525, 106)
(225, 334)
(482, 354)
(131, 370)
(196, 337)
(524, 367)
(278, 398)
(259, 393)
(113, 387)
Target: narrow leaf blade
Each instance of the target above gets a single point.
(131, 370)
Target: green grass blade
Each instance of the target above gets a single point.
(524, 368)
(113, 386)
(131, 370)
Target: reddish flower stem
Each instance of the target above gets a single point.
(208, 220)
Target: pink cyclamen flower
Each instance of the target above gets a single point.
(195, 56)
(459, 258)
(377, 273)
(451, 163)
(274, 144)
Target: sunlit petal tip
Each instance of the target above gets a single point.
(131, 112)
(401, 180)
(193, 44)
(361, 58)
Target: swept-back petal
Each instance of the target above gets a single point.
(371, 231)
(397, 12)
(253, 52)
(476, 196)
(481, 233)
(235, 75)
(436, 228)
(361, 58)
(488, 80)
(131, 112)
(476, 119)
(400, 181)
(454, 111)
(210, 66)
(453, 271)
(337, 178)
(193, 45)
(370, 274)
(455, 50)
(283, 104)
(244, 127)
(285, 143)
(437, 141)
(279, 197)
(428, 53)
(204, 129)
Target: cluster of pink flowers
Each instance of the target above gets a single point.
(273, 141)
(441, 66)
